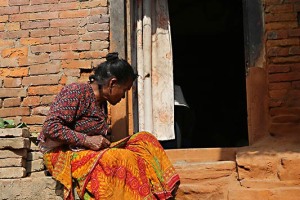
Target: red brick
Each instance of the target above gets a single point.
(38, 59)
(35, 24)
(281, 25)
(46, 100)
(44, 2)
(281, 8)
(284, 111)
(94, 4)
(16, 34)
(13, 26)
(294, 50)
(11, 102)
(284, 60)
(284, 129)
(18, 2)
(31, 101)
(272, 2)
(44, 32)
(294, 32)
(64, 23)
(63, 80)
(279, 68)
(44, 48)
(278, 94)
(84, 77)
(11, 112)
(65, 39)
(14, 52)
(296, 84)
(278, 51)
(12, 82)
(44, 90)
(68, 55)
(19, 17)
(41, 110)
(34, 41)
(6, 43)
(97, 35)
(68, 31)
(98, 27)
(280, 86)
(72, 72)
(278, 17)
(291, 76)
(90, 54)
(273, 103)
(70, 79)
(14, 72)
(297, 7)
(41, 80)
(9, 10)
(12, 92)
(34, 129)
(4, 3)
(4, 18)
(2, 27)
(46, 15)
(34, 119)
(282, 42)
(34, 8)
(74, 14)
(285, 119)
(65, 6)
(97, 62)
(81, 46)
(76, 64)
(99, 11)
(8, 62)
(99, 19)
(100, 45)
(48, 68)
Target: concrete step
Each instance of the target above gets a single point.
(205, 180)
(278, 193)
(202, 155)
(197, 172)
(269, 184)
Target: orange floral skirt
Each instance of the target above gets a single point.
(133, 168)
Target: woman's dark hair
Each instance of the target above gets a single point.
(113, 67)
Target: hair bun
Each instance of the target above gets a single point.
(112, 56)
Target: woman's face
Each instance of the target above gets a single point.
(117, 92)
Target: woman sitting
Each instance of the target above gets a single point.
(77, 153)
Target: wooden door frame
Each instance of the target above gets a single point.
(121, 114)
(256, 81)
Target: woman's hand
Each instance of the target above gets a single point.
(96, 142)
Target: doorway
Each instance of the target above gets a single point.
(209, 67)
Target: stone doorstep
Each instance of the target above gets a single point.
(14, 132)
(14, 143)
(30, 188)
(242, 193)
(269, 184)
(200, 171)
(201, 154)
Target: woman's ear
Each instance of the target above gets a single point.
(113, 81)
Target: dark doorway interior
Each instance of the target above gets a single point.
(209, 66)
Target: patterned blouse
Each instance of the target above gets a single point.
(73, 115)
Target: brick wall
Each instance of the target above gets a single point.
(43, 46)
(283, 65)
